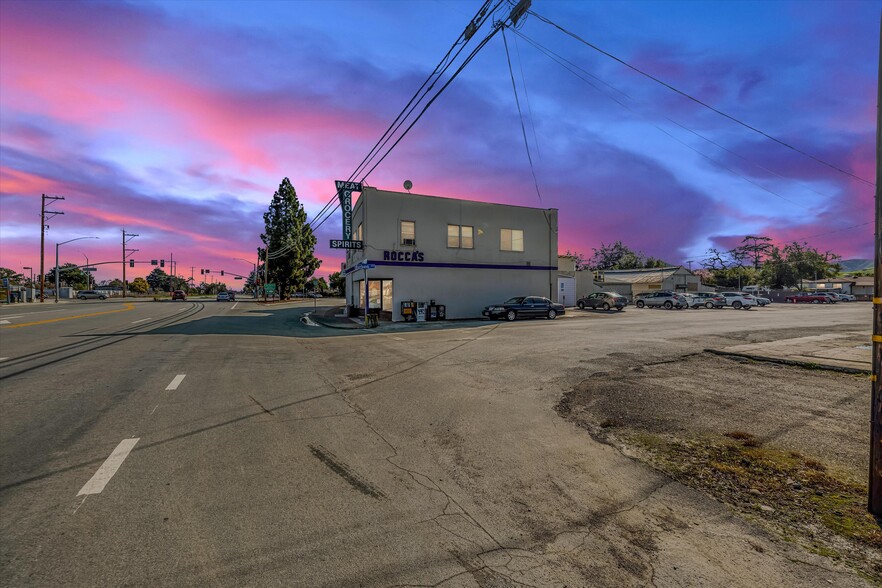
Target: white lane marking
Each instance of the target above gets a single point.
(234, 306)
(80, 504)
(142, 320)
(154, 409)
(3, 358)
(109, 467)
(399, 338)
(176, 382)
(4, 322)
(12, 317)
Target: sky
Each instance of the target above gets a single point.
(177, 121)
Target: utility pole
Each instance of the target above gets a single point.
(126, 237)
(43, 227)
(875, 486)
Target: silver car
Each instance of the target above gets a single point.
(661, 299)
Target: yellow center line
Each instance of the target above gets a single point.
(68, 318)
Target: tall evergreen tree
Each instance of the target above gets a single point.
(290, 242)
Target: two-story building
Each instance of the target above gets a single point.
(460, 253)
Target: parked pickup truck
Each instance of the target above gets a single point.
(812, 298)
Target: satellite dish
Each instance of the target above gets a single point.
(408, 185)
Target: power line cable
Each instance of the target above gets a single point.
(474, 25)
(697, 101)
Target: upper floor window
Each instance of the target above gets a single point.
(511, 240)
(460, 236)
(408, 233)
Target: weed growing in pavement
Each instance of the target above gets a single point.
(793, 492)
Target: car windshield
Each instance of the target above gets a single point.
(515, 300)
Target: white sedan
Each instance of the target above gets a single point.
(738, 300)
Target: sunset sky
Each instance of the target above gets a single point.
(178, 120)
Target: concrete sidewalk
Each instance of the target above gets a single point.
(844, 352)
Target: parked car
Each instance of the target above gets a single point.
(739, 300)
(524, 307)
(837, 296)
(223, 297)
(604, 300)
(810, 298)
(762, 300)
(84, 294)
(662, 299)
(179, 295)
(707, 300)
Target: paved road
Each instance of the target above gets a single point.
(228, 444)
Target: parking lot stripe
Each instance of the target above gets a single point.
(109, 467)
(234, 306)
(176, 382)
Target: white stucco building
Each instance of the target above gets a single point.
(460, 253)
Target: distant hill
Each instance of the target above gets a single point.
(856, 265)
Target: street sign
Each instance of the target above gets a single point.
(343, 244)
(365, 265)
(90, 269)
(269, 288)
(344, 193)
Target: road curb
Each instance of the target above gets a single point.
(793, 362)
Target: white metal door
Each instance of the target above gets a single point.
(566, 291)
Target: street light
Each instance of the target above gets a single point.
(88, 274)
(254, 273)
(57, 245)
(31, 286)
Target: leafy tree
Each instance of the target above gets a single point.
(618, 256)
(158, 280)
(70, 275)
(139, 286)
(337, 281)
(14, 277)
(116, 283)
(290, 242)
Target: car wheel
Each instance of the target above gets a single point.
(552, 314)
(581, 305)
(511, 315)
(708, 304)
(737, 304)
(102, 298)
(640, 304)
(669, 305)
(815, 301)
(81, 297)
(620, 307)
(606, 306)
(746, 307)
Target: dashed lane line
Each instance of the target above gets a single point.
(142, 320)
(109, 467)
(176, 382)
(68, 318)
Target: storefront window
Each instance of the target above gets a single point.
(374, 293)
(387, 295)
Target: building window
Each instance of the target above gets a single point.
(460, 237)
(408, 233)
(511, 240)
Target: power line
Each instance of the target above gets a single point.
(697, 101)
(443, 65)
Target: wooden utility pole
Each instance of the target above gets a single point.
(875, 487)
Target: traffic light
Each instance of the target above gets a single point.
(202, 271)
(153, 262)
(222, 272)
(131, 263)
(161, 263)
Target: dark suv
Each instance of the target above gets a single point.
(179, 295)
